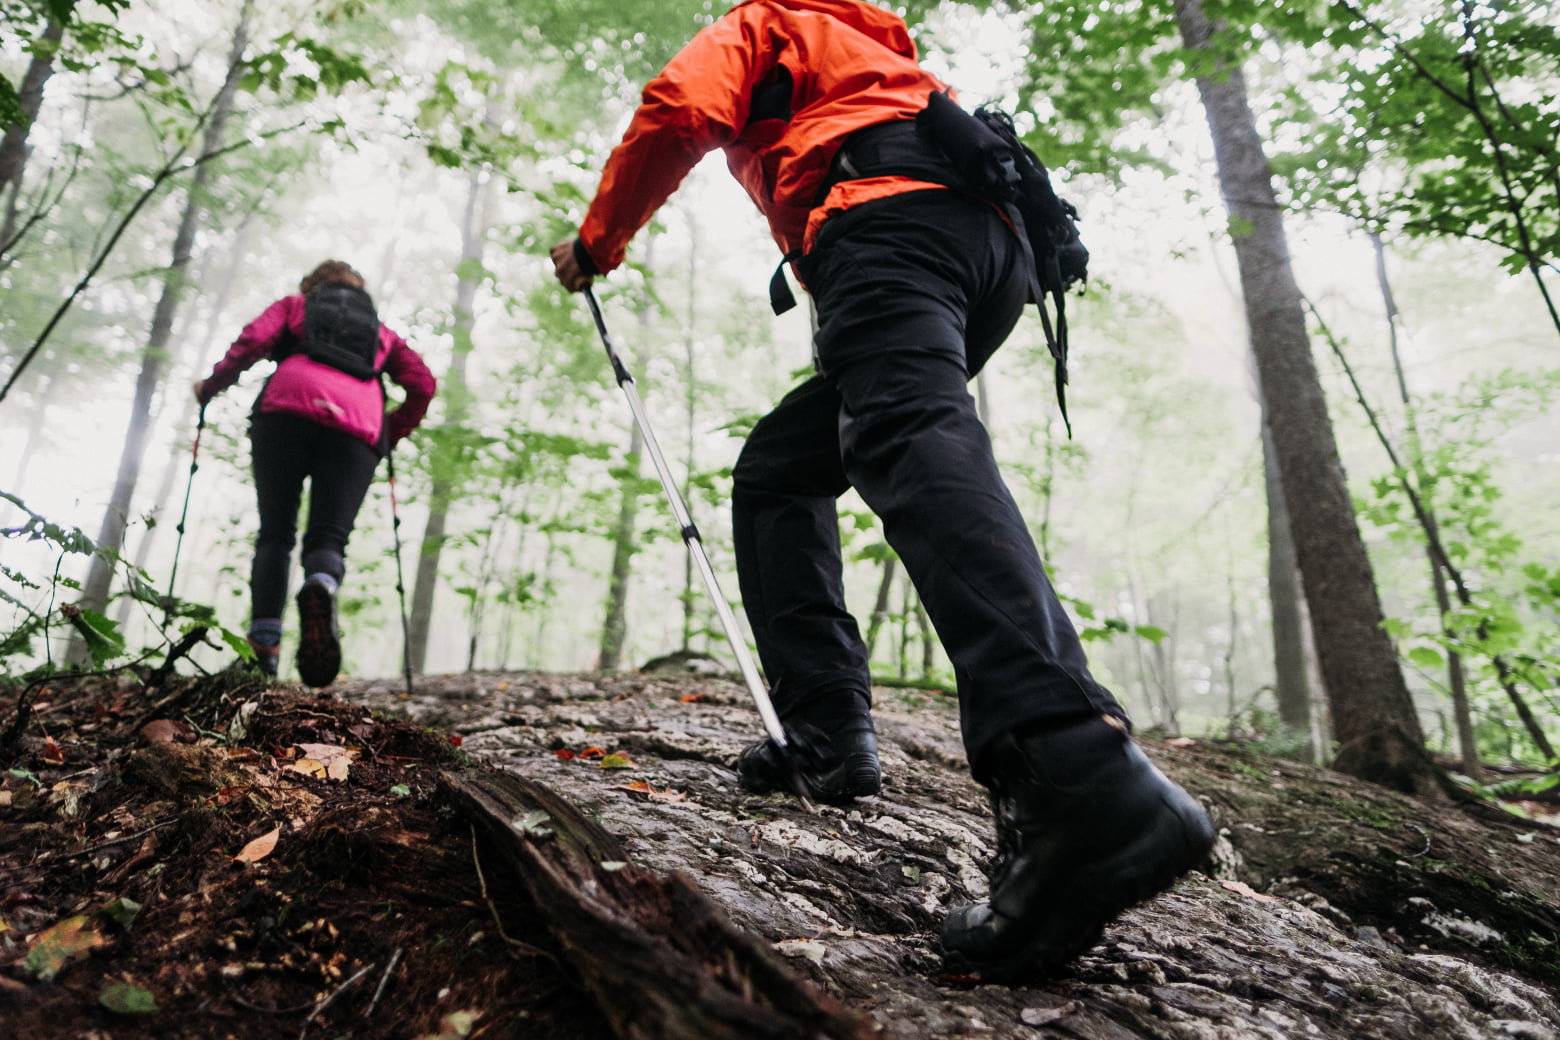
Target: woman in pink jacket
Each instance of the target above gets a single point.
(321, 415)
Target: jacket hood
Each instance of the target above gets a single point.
(881, 25)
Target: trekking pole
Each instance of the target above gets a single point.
(400, 580)
(690, 537)
(168, 600)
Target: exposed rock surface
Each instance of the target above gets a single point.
(1331, 908)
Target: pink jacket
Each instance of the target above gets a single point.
(304, 387)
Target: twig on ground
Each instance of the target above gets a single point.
(482, 881)
(241, 1002)
(327, 1001)
(379, 990)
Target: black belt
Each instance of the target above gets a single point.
(893, 149)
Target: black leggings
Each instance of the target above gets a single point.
(286, 449)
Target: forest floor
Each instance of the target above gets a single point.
(217, 857)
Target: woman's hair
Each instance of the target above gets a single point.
(330, 271)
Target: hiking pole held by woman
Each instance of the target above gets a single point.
(400, 580)
(169, 603)
(789, 748)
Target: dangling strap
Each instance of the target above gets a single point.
(781, 298)
(1055, 338)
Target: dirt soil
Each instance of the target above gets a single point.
(220, 858)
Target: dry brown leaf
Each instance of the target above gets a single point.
(1241, 888)
(323, 761)
(641, 787)
(260, 848)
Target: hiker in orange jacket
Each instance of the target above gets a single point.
(814, 103)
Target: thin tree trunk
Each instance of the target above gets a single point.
(450, 454)
(1456, 680)
(1380, 738)
(880, 606)
(614, 624)
(176, 462)
(13, 147)
(155, 359)
(1291, 678)
(691, 382)
(614, 628)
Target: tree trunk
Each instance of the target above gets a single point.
(1379, 735)
(614, 628)
(155, 359)
(1291, 680)
(880, 606)
(450, 456)
(13, 147)
(189, 408)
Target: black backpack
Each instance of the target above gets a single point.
(341, 329)
(985, 150)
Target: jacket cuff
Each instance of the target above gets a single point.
(582, 258)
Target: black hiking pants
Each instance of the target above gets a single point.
(913, 294)
(286, 450)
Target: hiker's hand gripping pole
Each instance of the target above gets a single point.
(690, 537)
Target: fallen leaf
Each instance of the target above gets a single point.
(593, 753)
(454, 1026)
(70, 938)
(260, 848)
(122, 912)
(640, 787)
(693, 698)
(323, 761)
(503, 686)
(457, 740)
(564, 753)
(167, 731)
(617, 760)
(124, 999)
(1241, 888)
(51, 752)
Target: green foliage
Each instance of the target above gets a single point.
(1514, 608)
(34, 599)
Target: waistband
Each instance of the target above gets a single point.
(895, 148)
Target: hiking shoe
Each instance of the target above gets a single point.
(319, 642)
(836, 768)
(1071, 855)
(266, 658)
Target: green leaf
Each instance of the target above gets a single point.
(400, 790)
(101, 635)
(1426, 657)
(122, 912)
(1152, 633)
(124, 999)
(61, 943)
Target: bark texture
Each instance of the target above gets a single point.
(1378, 733)
(448, 458)
(1331, 908)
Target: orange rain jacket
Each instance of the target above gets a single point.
(851, 65)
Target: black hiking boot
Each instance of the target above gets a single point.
(1075, 847)
(836, 767)
(319, 642)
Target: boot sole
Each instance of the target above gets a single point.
(319, 649)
